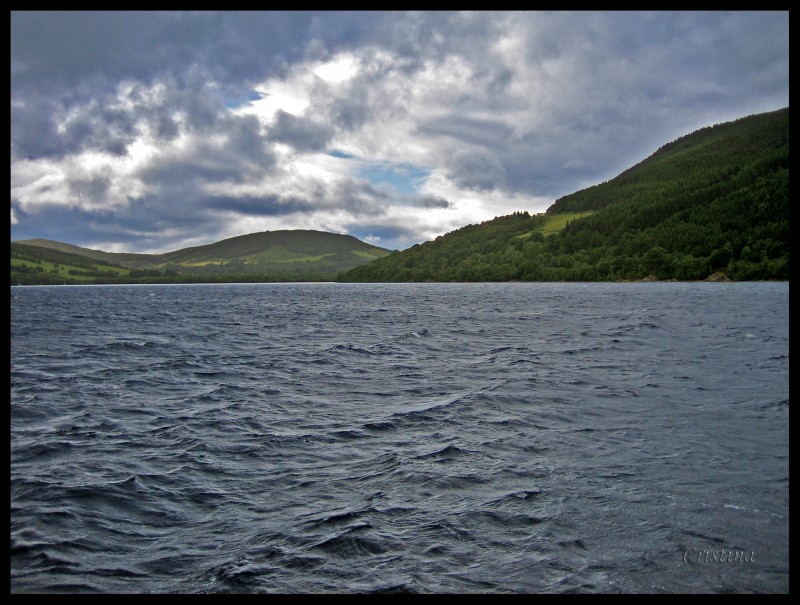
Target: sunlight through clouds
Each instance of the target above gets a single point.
(399, 125)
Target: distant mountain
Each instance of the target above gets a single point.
(268, 256)
(713, 204)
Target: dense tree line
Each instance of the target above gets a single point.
(716, 201)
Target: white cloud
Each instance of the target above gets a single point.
(498, 111)
(276, 96)
(340, 69)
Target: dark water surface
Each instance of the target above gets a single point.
(414, 438)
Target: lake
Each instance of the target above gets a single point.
(418, 438)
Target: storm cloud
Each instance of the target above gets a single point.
(148, 131)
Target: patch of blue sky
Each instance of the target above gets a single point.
(398, 179)
(234, 102)
(383, 237)
(341, 154)
(404, 179)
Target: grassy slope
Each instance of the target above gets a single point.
(277, 253)
(555, 223)
(117, 258)
(35, 264)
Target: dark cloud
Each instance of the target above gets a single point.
(483, 132)
(153, 214)
(237, 154)
(352, 112)
(62, 223)
(33, 131)
(68, 62)
(431, 36)
(102, 128)
(499, 82)
(247, 142)
(164, 126)
(491, 104)
(358, 197)
(346, 29)
(95, 188)
(301, 133)
(111, 121)
(476, 169)
(431, 201)
(181, 174)
(272, 205)
(54, 50)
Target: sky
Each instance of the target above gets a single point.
(153, 131)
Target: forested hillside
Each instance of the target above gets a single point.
(714, 202)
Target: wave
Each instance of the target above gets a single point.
(279, 440)
(435, 403)
(351, 542)
(516, 496)
(445, 454)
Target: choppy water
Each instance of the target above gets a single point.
(400, 438)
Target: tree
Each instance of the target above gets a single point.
(656, 261)
(720, 257)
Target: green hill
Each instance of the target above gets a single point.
(33, 264)
(714, 203)
(267, 256)
(99, 255)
